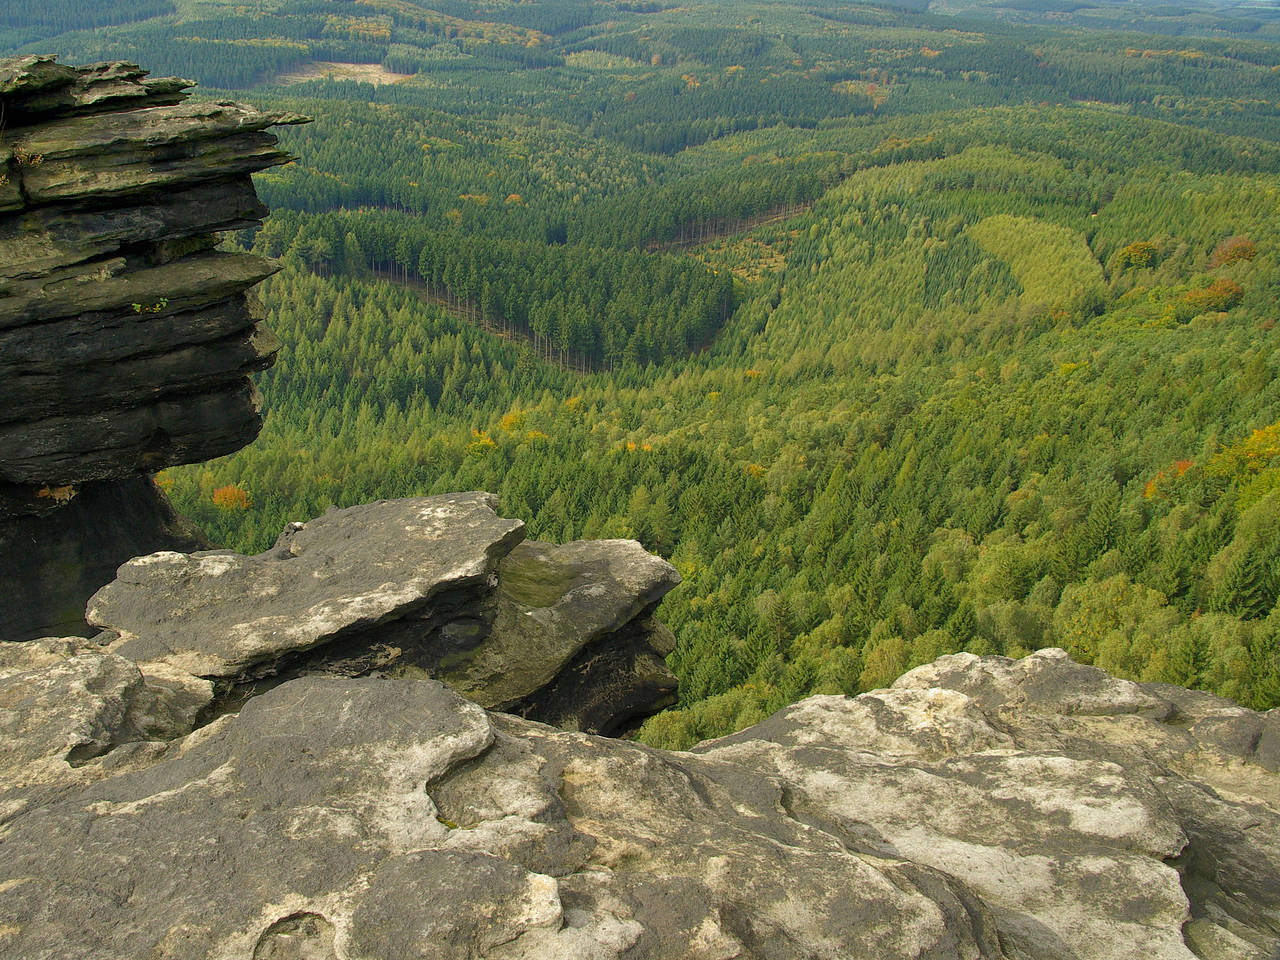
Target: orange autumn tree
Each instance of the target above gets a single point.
(1153, 487)
(1222, 294)
(1232, 250)
(231, 497)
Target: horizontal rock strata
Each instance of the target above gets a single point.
(438, 586)
(981, 808)
(125, 336)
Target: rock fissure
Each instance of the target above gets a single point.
(408, 646)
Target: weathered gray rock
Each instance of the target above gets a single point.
(379, 818)
(440, 586)
(115, 155)
(307, 806)
(114, 191)
(84, 340)
(38, 86)
(220, 614)
(109, 288)
(42, 239)
(1067, 853)
(104, 416)
(1049, 682)
(564, 608)
(189, 369)
(1214, 762)
(64, 702)
(1189, 731)
(247, 822)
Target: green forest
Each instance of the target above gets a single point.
(900, 329)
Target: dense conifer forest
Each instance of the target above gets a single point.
(901, 329)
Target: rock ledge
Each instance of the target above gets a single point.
(981, 808)
(432, 586)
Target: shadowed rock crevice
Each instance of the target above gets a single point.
(414, 644)
(77, 548)
(1228, 872)
(611, 686)
(413, 587)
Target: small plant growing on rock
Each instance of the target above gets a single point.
(25, 159)
(58, 495)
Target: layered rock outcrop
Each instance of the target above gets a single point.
(126, 338)
(980, 808)
(433, 586)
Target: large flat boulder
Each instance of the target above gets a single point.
(376, 818)
(436, 586)
(222, 615)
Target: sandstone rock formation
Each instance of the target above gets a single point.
(252, 761)
(126, 338)
(437, 586)
(979, 808)
(573, 643)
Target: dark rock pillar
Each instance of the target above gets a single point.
(126, 339)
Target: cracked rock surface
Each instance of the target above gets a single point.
(432, 586)
(979, 808)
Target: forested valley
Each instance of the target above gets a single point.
(900, 330)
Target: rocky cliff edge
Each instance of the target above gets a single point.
(981, 808)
